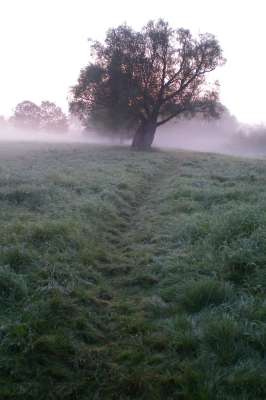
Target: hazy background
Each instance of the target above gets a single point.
(43, 45)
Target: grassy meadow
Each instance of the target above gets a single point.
(131, 275)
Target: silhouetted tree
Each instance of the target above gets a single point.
(26, 116)
(148, 78)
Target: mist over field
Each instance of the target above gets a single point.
(74, 134)
(226, 135)
(194, 135)
(69, 137)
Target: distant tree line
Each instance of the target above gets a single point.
(46, 118)
(250, 136)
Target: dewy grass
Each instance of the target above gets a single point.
(129, 275)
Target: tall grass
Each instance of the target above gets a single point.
(129, 275)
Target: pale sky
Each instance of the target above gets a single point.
(43, 45)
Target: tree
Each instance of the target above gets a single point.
(26, 116)
(53, 120)
(148, 78)
(47, 118)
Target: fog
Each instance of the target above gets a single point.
(199, 134)
(69, 137)
(226, 136)
(74, 134)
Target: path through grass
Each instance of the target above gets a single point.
(130, 275)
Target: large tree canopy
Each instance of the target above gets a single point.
(149, 77)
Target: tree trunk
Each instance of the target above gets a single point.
(144, 135)
(138, 138)
(150, 129)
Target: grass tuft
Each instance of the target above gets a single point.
(193, 296)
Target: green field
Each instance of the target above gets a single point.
(131, 275)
